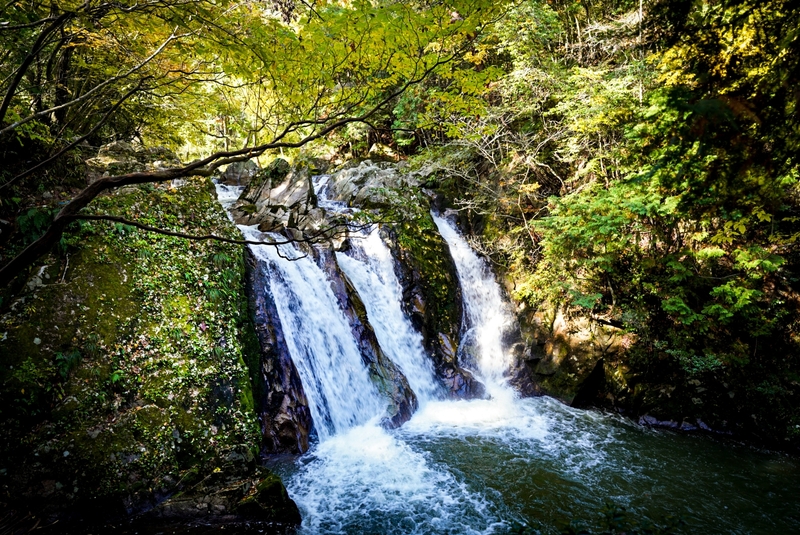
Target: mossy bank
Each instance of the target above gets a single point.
(129, 365)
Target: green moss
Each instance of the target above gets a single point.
(427, 253)
(162, 385)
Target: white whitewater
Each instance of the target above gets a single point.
(471, 467)
(360, 477)
(319, 340)
(227, 195)
(486, 313)
(368, 478)
(370, 268)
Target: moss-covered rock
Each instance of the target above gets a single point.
(569, 351)
(432, 298)
(124, 374)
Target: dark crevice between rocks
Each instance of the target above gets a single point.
(592, 389)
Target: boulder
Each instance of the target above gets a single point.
(120, 157)
(279, 197)
(239, 173)
(367, 185)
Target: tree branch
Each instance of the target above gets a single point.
(322, 234)
(75, 142)
(23, 68)
(202, 167)
(78, 100)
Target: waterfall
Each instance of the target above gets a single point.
(487, 317)
(476, 466)
(370, 268)
(227, 195)
(319, 339)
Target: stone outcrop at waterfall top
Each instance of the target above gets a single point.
(280, 197)
(367, 185)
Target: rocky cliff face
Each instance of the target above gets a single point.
(585, 361)
(281, 197)
(283, 411)
(569, 355)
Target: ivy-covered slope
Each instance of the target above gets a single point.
(126, 369)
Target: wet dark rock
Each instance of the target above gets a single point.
(686, 425)
(387, 377)
(225, 498)
(284, 412)
(432, 300)
(269, 501)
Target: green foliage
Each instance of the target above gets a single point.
(67, 362)
(645, 173)
(34, 222)
(137, 353)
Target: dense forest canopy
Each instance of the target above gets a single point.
(635, 161)
(205, 74)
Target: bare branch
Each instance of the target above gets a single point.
(23, 68)
(77, 141)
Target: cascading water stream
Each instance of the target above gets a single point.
(474, 466)
(486, 313)
(320, 342)
(370, 268)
